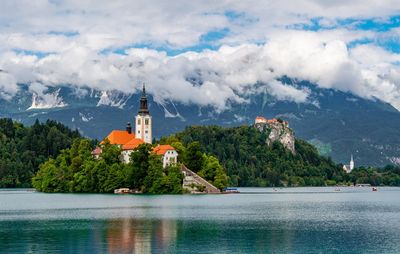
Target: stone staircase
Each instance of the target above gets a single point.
(193, 178)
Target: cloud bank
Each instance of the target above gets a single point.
(209, 53)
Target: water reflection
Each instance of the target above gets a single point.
(140, 236)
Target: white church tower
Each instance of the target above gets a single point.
(143, 122)
(351, 163)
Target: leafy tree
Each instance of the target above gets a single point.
(139, 166)
(213, 172)
(194, 156)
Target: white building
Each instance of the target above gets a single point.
(169, 155)
(350, 167)
(129, 147)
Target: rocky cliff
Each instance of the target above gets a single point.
(278, 131)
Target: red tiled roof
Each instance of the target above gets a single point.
(97, 151)
(162, 149)
(132, 144)
(117, 137)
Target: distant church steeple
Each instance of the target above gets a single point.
(351, 163)
(143, 121)
(350, 167)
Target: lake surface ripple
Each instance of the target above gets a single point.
(258, 220)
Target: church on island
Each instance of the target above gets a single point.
(129, 141)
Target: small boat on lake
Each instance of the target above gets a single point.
(374, 189)
(126, 191)
(231, 190)
(122, 191)
(363, 185)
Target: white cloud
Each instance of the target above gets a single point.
(8, 85)
(261, 45)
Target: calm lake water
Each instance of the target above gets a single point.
(258, 220)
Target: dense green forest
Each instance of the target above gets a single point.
(75, 170)
(23, 149)
(248, 161)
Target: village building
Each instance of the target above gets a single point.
(129, 147)
(168, 153)
(96, 152)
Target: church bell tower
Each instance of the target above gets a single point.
(351, 163)
(143, 121)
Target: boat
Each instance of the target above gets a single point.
(123, 191)
(231, 190)
(374, 189)
(363, 185)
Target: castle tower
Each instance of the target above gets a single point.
(143, 121)
(351, 163)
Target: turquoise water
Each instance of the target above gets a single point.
(258, 220)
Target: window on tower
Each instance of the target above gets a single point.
(138, 121)
(146, 121)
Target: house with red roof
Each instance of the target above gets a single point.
(130, 147)
(120, 137)
(168, 154)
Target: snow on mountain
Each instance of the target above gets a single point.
(113, 99)
(85, 117)
(169, 114)
(41, 100)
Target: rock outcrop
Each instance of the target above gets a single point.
(278, 131)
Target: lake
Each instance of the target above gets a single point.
(258, 220)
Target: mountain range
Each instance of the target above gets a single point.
(339, 124)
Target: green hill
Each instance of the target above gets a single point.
(23, 149)
(249, 161)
